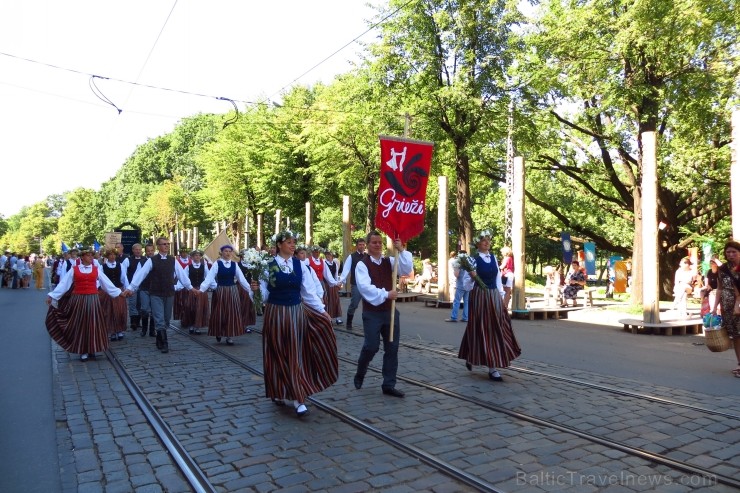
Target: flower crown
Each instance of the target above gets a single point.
(483, 234)
(284, 235)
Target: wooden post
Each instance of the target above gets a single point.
(188, 239)
(650, 282)
(172, 242)
(195, 237)
(260, 235)
(346, 232)
(277, 220)
(518, 231)
(246, 228)
(443, 242)
(309, 224)
(735, 174)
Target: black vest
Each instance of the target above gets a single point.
(197, 274)
(162, 276)
(356, 257)
(114, 274)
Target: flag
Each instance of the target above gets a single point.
(567, 248)
(213, 250)
(96, 246)
(590, 250)
(65, 248)
(404, 172)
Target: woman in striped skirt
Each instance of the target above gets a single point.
(226, 314)
(333, 285)
(194, 303)
(489, 339)
(298, 342)
(76, 319)
(116, 306)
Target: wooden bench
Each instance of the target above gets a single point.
(541, 313)
(586, 293)
(682, 327)
(406, 297)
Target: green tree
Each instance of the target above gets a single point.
(82, 221)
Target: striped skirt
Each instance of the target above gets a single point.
(226, 316)
(249, 315)
(331, 301)
(194, 309)
(79, 325)
(117, 308)
(178, 303)
(489, 339)
(300, 352)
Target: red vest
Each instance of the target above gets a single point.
(183, 264)
(85, 283)
(318, 267)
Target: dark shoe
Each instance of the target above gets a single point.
(160, 342)
(468, 366)
(278, 402)
(339, 321)
(165, 346)
(393, 391)
(152, 332)
(301, 410)
(191, 330)
(349, 321)
(196, 332)
(358, 381)
(450, 320)
(218, 338)
(495, 376)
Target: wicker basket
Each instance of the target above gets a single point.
(717, 340)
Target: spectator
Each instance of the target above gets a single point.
(575, 280)
(683, 286)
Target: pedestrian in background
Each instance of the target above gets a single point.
(463, 286)
(728, 297)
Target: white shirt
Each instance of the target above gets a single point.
(346, 268)
(372, 294)
(331, 279)
(65, 283)
(308, 286)
(145, 269)
(210, 279)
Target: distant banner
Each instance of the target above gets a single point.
(567, 248)
(590, 251)
(404, 171)
(620, 276)
(694, 256)
(111, 239)
(213, 250)
(706, 256)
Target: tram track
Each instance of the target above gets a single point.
(189, 467)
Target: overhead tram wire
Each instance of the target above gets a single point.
(381, 21)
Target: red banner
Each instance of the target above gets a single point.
(402, 192)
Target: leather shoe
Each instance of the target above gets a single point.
(468, 366)
(218, 338)
(358, 381)
(393, 391)
(301, 410)
(450, 320)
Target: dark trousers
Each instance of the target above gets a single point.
(375, 325)
(355, 299)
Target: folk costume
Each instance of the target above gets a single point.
(248, 311)
(348, 270)
(117, 306)
(226, 310)
(488, 339)
(180, 294)
(331, 297)
(78, 323)
(194, 311)
(161, 271)
(138, 305)
(298, 342)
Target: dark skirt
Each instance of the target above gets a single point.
(226, 316)
(79, 325)
(117, 308)
(249, 314)
(194, 309)
(178, 304)
(489, 339)
(299, 352)
(331, 300)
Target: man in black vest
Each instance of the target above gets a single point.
(163, 271)
(348, 270)
(374, 277)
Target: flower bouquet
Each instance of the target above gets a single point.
(468, 264)
(256, 263)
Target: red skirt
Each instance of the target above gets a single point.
(226, 316)
(177, 304)
(299, 352)
(489, 339)
(79, 325)
(193, 309)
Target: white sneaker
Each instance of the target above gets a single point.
(83, 357)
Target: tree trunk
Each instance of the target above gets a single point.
(463, 203)
(636, 272)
